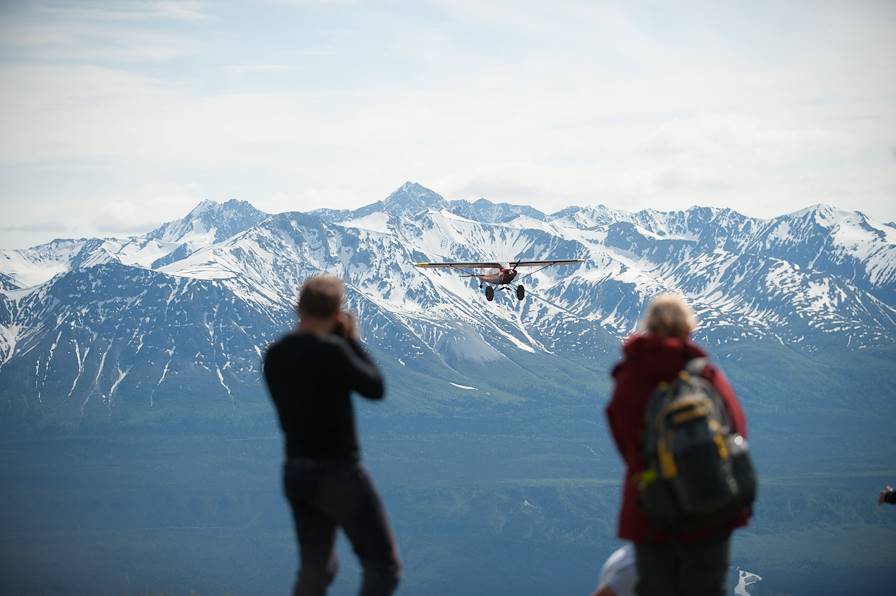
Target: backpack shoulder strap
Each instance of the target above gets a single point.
(695, 368)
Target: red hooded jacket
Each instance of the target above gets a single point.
(648, 360)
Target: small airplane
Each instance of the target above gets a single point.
(503, 275)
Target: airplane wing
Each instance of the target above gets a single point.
(472, 265)
(516, 264)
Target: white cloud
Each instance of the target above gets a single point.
(549, 104)
(175, 10)
(259, 68)
(97, 214)
(93, 42)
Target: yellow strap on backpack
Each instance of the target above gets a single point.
(667, 460)
(719, 440)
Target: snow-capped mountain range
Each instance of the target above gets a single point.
(188, 308)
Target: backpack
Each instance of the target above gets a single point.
(698, 472)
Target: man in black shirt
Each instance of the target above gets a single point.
(310, 374)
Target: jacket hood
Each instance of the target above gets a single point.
(660, 357)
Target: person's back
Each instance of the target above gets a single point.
(310, 378)
(310, 374)
(698, 561)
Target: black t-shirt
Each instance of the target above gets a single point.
(310, 378)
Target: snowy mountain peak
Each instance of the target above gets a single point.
(845, 226)
(411, 186)
(708, 212)
(598, 216)
(409, 200)
(483, 210)
(820, 213)
(412, 197)
(202, 207)
(210, 221)
(32, 266)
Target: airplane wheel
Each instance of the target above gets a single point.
(520, 292)
(489, 293)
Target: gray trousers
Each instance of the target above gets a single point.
(324, 497)
(683, 569)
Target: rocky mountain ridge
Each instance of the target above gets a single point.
(187, 309)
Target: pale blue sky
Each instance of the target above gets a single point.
(117, 116)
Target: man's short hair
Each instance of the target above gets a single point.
(668, 315)
(321, 296)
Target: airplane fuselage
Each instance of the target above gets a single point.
(504, 276)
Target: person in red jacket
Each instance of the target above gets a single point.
(695, 562)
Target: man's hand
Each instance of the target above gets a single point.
(882, 498)
(349, 326)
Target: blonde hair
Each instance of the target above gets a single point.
(668, 315)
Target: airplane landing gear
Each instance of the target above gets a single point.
(489, 293)
(520, 292)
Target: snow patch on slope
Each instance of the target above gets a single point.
(375, 222)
